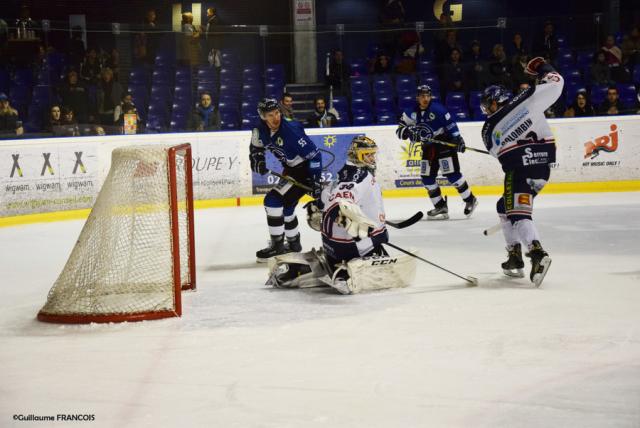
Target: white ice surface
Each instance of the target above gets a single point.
(434, 354)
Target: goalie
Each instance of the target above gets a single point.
(353, 229)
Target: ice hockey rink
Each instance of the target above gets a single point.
(437, 353)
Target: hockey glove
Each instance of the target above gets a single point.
(461, 146)
(354, 220)
(316, 192)
(314, 215)
(538, 67)
(258, 162)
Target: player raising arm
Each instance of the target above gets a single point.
(352, 223)
(300, 159)
(516, 132)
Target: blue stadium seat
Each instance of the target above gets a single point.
(406, 102)
(478, 114)
(162, 77)
(474, 99)
(157, 118)
(229, 120)
(273, 90)
(405, 85)
(572, 89)
(359, 105)
(627, 91)
(636, 74)
(426, 65)
(455, 101)
(274, 73)
(178, 122)
(565, 60)
(5, 80)
(183, 76)
(386, 119)
(340, 103)
(461, 116)
(385, 104)
(359, 67)
(362, 119)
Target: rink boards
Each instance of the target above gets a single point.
(58, 178)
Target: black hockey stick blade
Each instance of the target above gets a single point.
(291, 180)
(406, 223)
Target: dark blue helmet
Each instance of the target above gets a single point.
(266, 105)
(424, 89)
(496, 93)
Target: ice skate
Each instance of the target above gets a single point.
(440, 212)
(514, 265)
(293, 244)
(340, 281)
(470, 206)
(540, 262)
(275, 248)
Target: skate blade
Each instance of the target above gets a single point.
(342, 287)
(473, 208)
(438, 217)
(515, 273)
(538, 277)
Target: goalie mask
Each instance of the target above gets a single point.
(362, 152)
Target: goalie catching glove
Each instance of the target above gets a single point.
(355, 222)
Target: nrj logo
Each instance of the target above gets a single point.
(607, 143)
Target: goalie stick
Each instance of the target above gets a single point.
(473, 281)
(406, 223)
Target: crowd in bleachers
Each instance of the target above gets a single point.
(80, 92)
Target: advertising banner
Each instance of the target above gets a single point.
(47, 178)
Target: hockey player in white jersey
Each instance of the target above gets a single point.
(352, 223)
(516, 132)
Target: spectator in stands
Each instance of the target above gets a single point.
(546, 45)
(409, 47)
(476, 68)
(581, 107)
(109, 96)
(213, 40)
(453, 73)
(518, 74)
(499, 67)
(90, 69)
(382, 65)
(321, 117)
(10, 123)
(68, 125)
(613, 58)
(190, 41)
(517, 48)
(286, 106)
(444, 47)
(75, 96)
(205, 117)
(127, 98)
(76, 49)
(127, 107)
(631, 48)
(112, 61)
(339, 72)
(54, 119)
(611, 105)
(392, 12)
(600, 72)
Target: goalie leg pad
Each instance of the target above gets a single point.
(380, 272)
(298, 270)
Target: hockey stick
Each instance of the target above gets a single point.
(454, 145)
(291, 180)
(493, 229)
(406, 223)
(470, 279)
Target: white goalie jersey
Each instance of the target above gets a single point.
(359, 186)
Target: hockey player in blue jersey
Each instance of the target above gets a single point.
(431, 120)
(300, 159)
(516, 132)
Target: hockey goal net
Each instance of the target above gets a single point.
(135, 252)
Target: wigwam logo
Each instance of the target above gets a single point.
(606, 143)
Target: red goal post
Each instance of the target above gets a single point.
(136, 251)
